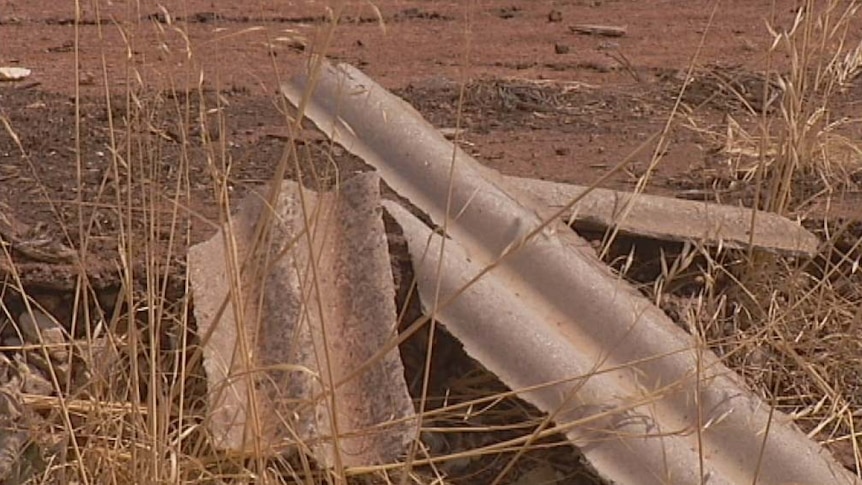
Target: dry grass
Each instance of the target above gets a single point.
(792, 328)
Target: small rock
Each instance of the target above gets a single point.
(508, 12)
(561, 49)
(451, 132)
(39, 328)
(47, 367)
(555, 16)
(298, 45)
(562, 151)
(32, 380)
(13, 73)
(10, 20)
(86, 78)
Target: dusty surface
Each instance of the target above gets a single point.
(169, 103)
(540, 101)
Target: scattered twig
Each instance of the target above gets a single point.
(604, 30)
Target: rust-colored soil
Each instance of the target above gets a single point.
(540, 100)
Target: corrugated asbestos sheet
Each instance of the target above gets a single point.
(671, 219)
(532, 302)
(317, 304)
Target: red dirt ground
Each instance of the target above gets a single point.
(541, 101)
(622, 87)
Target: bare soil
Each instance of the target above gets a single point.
(539, 101)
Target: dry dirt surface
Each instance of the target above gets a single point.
(191, 88)
(540, 100)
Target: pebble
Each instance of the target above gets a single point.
(52, 333)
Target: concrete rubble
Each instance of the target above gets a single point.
(316, 304)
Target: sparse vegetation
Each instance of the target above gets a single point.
(121, 397)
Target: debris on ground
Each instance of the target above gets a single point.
(532, 303)
(31, 242)
(13, 73)
(305, 356)
(37, 362)
(669, 218)
(603, 30)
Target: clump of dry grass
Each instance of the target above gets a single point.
(806, 137)
(792, 327)
(805, 145)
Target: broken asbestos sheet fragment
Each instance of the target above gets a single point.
(647, 404)
(671, 219)
(311, 305)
